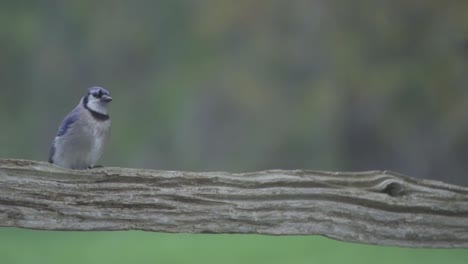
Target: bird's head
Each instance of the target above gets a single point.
(97, 99)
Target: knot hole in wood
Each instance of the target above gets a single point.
(394, 189)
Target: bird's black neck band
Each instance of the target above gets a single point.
(98, 116)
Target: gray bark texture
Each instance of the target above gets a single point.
(376, 207)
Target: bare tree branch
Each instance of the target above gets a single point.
(377, 207)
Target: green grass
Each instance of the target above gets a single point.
(49, 247)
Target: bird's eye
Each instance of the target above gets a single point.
(98, 94)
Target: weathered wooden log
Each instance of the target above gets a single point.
(377, 207)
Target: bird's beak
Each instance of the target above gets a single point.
(106, 98)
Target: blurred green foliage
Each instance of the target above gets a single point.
(239, 86)
(19, 246)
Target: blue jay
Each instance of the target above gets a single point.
(83, 133)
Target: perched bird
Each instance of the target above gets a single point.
(83, 133)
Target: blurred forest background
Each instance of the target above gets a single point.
(245, 85)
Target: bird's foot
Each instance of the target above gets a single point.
(95, 167)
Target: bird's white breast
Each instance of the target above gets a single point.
(99, 131)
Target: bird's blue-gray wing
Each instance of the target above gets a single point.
(69, 120)
(67, 123)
